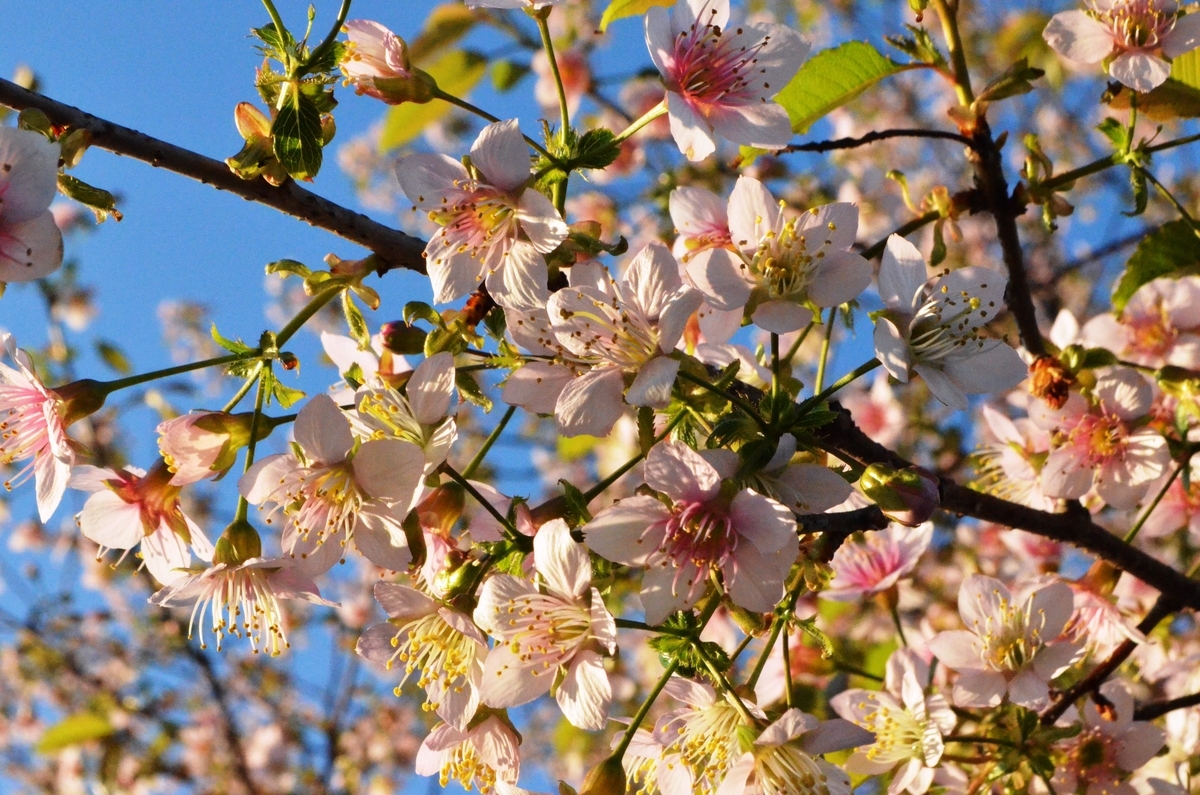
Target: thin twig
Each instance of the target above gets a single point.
(1157, 709)
(877, 135)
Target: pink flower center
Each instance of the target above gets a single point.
(1151, 335)
(709, 68)
(1138, 24)
(699, 535)
(1098, 439)
(868, 564)
(1093, 759)
(24, 432)
(483, 218)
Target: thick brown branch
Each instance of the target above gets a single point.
(989, 174)
(1162, 608)
(1074, 527)
(1159, 708)
(395, 248)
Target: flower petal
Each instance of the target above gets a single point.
(29, 250)
(323, 431)
(653, 383)
(501, 155)
(562, 561)
(592, 403)
(585, 693)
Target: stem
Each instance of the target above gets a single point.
(640, 715)
(331, 37)
(487, 444)
(844, 381)
(1179, 208)
(1096, 166)
(658, 110)
(154, 375)
(602, 486)
(774, 376)
(277, 21)
(627, 623)
(787, 670)
(958, 59)
(777, 625)
(478, 111)
(792, 351)
(243, 389)
(513, 534)
(895, 611)
(732, 398)
(564, 112)
(824, 360)
(243, 506)
(304, 315)
(904, 230)
(1137, 526)
(878, 135)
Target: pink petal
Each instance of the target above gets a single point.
(585, 694)
(390, 469)
(28, 174)
(692, 133)
(781, 316)
(1078, 37)
(653, 383)
(427, 179)
(1139, 70)
(629, 531)
(501, 155)
(681, 473)
(592, 403)
(29, 250)
(323, 431)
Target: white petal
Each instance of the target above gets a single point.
(541, 221)
(998, 368)
(562, 561)
(892, 349)
(536, 386)
(696, 210)
(781, 316)
(653, 382)
(979, 689)
(28, 174)
(1183, 38)
(1079, 37)
(402, 602)
(390, 469)
(453, 275)
(520, 282)
(51, 474)
(790, 725)
(764, 124)
(766, 523)
(941, 385)
(111, 522)
(501, 154)
(753, 214)
(755, 580)
(323, 431)
(428, 178)
(1028, 690)
(681, 473)
(380, 538)
(431, 388)
(957, 649)
(719, 275)
(166, 555)
(835, 735)
(619, 532)
(508, 682)
(661, 597)
(902, 275)
(1140, 71)
(592, 403)
(585, 694)
(29, 250)
(692, 133)
(841, 277)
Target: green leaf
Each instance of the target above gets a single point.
(233, 346)
(355, 321)
(620, 9)
(285, 395)
(444, 26)
(114, 357)
(78, 728)
(100, 201)
(1171, 250)
(456, 72)
(289, 267)
(832, 78)
(577, 510)
(296, 133)
(470, 390)
(596, 149)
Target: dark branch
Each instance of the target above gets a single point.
(395, 248)
(872, 137)
(1158, 708)
(1162, 608)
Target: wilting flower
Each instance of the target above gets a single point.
(204, 444)
(538, 634)
(1158, 326)
(481, 757)
(1111, 746)
(1100, 443)
(782, 760)
(242, 599)
(133, 507)
(331, 493)
(421, 415)
(749, 537)
(1141, 36)
(492, 225)
(376, 63)
(32, 427)
(720, 78)
(621, 331)
(782, 267)
(932, 330)
(908, 725)
(867, 567)
(442, 643)
(31, 244)
(1011, 645)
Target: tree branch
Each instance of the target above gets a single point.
(1157, 709)
(872, 137)
(395, 248)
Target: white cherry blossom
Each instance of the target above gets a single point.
(484, 756)
(31, 245)
(421, 415)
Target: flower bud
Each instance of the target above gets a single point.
(239, 543)
(908, 496)
(204, 444)
(401, 338)
(606, 778)
(80, 399)
(377, 64)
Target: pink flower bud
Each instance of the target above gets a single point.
(377, 64)
(908, 496)
(202, 445)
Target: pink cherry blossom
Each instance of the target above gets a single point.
(720, 77)
(132, 507)
(802, 487)
(483, 756)
(1010, 465)
(1011, 645)
(1110, 747)
(31, 244)
(1179, 508)
(32, 427)
(566, 628)
(329, 496)
(440, 642)
(908, 725)
(422, 415)
(493, 226)
(782, 267)
(1159, 325)
(933, 330)
(876, 412)
(1100, 444)
(202, 445)
(243, 600)
(750, 538)
(1097, 624)
(1141, 37)
(867, 567)
(612, 338)
(373, 53)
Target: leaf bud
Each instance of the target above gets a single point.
(908, 496)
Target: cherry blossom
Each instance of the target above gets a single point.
(876, 411)
(908, 725)
(802, 487)
(932, 330)
(618, 332)
(131, 507)
(329, 492)
(1010, 466)
(1158, 325)
(875, 564)
(709, 526)
(376, 61)
(1178, 509)
(1140, 36)
(703, 733)
(649, 767)
(565, 628)
(422, 415)
(1100, 444)
(202, 445)
(1111, 746)
(782, 267)
(1011, 645)
(720, 77)
(31, 244)
(32, 427)
(442, 643)
(482, 756)
(492, 225)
